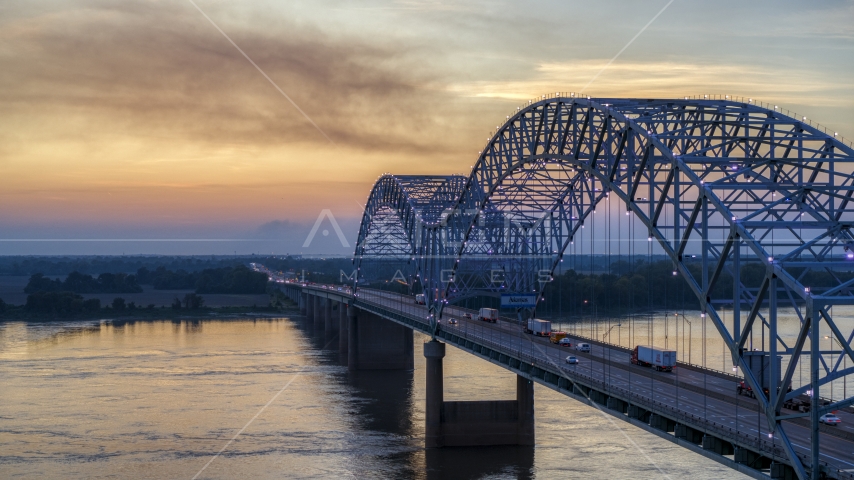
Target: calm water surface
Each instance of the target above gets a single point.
(159, 399)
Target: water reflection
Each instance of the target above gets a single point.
(480, 462)
(107, 398)
(388, 401)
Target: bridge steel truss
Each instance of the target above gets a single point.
(719, 185)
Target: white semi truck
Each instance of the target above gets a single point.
(657, 358)
(541, 328)
(488, 315)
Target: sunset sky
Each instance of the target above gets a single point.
(135, 126)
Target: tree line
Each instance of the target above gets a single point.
(64, 298)
(235, 280)
(655, 285)
(93, 265)
(68, 304)
(77, 282)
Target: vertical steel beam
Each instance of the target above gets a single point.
(814, 395)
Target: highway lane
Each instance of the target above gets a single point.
(612, 364)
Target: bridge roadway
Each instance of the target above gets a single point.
(705, 400)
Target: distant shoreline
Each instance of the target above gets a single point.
(225, 313)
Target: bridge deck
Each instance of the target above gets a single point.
(703, 400)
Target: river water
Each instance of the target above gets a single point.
(697, 341)
(160, 399)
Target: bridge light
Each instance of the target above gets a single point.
(806, 289)
(770, 259)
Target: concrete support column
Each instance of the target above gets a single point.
(332, 322)
(318, 312)
(751, 459)
(689, 434)
(327, 317)
(661, 423)
(617, 404)
(303, 310)
(434, 352)
(525, 398)
(343, 331)
(379, 344)
(479, 423)
(715, 444)
(309, 307)
(352, 340)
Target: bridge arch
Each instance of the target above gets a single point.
(735, 183)
(392, 229)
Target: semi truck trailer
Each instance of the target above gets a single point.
(488, 315)
(657, 358)
(541, 328)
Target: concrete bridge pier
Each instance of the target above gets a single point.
(309, 308)
(320, 315)
(343, 331)
(783, 471)
(375, 343)
(318, 312)
(332, 322)
(483, 423)
(661, 423)
(302, 303)
(326, 320)
(751, 459)
(689, 434)
(717, 445)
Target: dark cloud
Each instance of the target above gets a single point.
(156, 69)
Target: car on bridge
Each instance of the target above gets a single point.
(572, 360)
(452, 321)
(467, 316)
(830, 419)
(564, 342)
(583, 347)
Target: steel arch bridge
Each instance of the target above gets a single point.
(717, 184)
